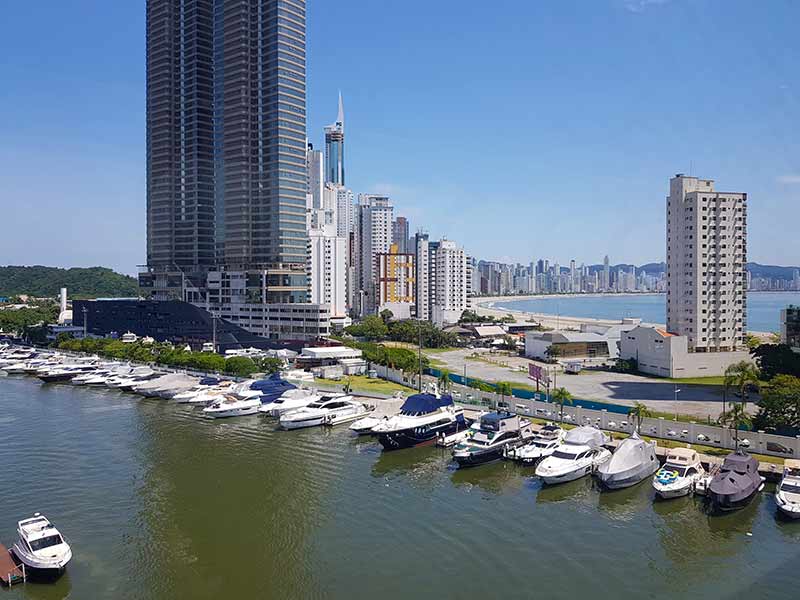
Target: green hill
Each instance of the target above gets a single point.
(93, 282)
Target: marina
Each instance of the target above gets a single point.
(141, 484)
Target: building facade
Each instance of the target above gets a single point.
(397, 282)
(334, 148)
(373, 236)
(790, 327)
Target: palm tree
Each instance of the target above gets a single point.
(735, 418)
(444, 380)
(504, 389)
(741, 375)
(639, 412)
(562, 396)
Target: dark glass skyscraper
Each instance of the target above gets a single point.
(334, 148)
(226, 131)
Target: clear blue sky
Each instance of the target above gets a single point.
(521, 129)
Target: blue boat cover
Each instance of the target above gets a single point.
(425, 403)
(271, 384)
(209, 381)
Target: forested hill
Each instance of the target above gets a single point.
(93, 282)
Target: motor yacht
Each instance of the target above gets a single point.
(542, 445)
(40, 546)
(231, 406)
(448, 441)
(265, 390)
(580, 454)
(633, 461)
(497, 433)
(736, 483)
(342, 409)
(292, 400)
(787, 496)
(204, 394)
(127, 380)
(680, 473)
(64, 372)
(422, 418)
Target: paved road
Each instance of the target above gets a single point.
(698, 400)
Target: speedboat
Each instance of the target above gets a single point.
(422, 418)
(680, 473)
(292, 400)
(543, 444)
(40, 546)
(342, 409)
(497, 433)
(231, 406)
(736, 483)
(633, 461)
(581, 453)
(787, 496)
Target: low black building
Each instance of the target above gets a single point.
(166, 321)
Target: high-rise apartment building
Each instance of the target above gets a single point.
(315, 168)
(400, 234)
(373, 236)
(706, 265)
(396, 282)
(452, 284)
(334, 148)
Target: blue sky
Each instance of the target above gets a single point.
(533, 129)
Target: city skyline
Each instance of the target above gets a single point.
(97, 167)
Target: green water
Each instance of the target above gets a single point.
(159, 502)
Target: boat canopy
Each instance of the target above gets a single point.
(210, 381)
(425, 403)
(585, 436)
(740, 463)
(271, 384)
(631, 453)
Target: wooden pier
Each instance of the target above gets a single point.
(11, 572)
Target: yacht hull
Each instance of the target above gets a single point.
(57, 378)
(232, 412)
(673, 492)
(409, 438)
(473, 459)
(723, 504)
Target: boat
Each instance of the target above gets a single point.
(679, 475)
(497, 433)
(292, 400)
(787, 496)
(130, 379)
(543, 444)
(342, 409)
(736, 483)
(383, 412)
(266, 390)
(422, 418)
(64, 373)
(633, 461)
(231, 406)
(448, 441)
(580, 454)
(40, 546)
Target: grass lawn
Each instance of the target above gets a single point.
(718, 380)
(362, 383)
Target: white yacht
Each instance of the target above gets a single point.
(131, 378)
(294, 399)
(204, 394)
(633, 461)
(64, 372)
(543, 444)
(787, 496)
(680, 473)
(341, 409)
(580, 454)
(231, 406)
(40, 546)
(423, 418)
(497, 433)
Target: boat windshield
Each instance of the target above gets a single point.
(45, 542)
(793, 487)
(564, 455)
(681, 471)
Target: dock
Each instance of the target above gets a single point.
(11, 571)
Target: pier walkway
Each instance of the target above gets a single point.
(10, 571)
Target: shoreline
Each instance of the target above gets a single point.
(485, 306)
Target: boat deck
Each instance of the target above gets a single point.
(11, 572)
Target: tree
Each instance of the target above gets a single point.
(780, 404)
(240, 366)
(639, 412)
(553, 352)
(371, 327)
(735, 418)
(752, 341)
(269, 365)
(386, 315)
(444, 380)
(562, 397)
(776, 359)
(741, 375)
(503, 388)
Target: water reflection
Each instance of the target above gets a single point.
(495, 478)
(580, 491)
(624, 504)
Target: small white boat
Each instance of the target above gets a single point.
(787, 496)
(40, 546)
(342, 409)
(231, 406)
(203, 394)
(294, 399)
(543, 444)
(680, 473)
(633, 461)
(580, 454)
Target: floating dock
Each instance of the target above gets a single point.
(11, 572)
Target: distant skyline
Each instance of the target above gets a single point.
(537, 130)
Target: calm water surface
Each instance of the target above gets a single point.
(159, 503)
(763, 308)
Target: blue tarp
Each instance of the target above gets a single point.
(209, 381)
(271, 384)
(425, 403)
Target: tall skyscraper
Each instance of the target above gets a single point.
(373, 237)
(334, 148)
(706, 265)
(400, 234)
(606, 281)
(315, 165)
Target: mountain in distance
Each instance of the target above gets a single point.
(46, 282)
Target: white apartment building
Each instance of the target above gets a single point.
(706, 265)
(327, 273)
(452, 284)
(315, 166)
(345, 211)
(373, 236)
